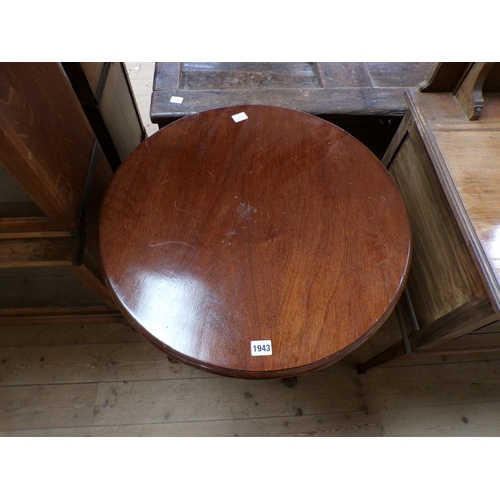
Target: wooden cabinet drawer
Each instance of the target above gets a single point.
(443, 277)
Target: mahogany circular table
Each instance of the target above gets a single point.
(254, 241)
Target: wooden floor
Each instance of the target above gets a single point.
(106, 380)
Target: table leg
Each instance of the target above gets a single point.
(290, 381)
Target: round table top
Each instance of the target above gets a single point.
(254, 241)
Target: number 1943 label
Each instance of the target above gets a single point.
(261, 347)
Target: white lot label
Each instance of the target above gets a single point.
(239, 117)
(176, 99)
(261, 347)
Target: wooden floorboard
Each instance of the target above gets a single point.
(45, 335)
(357, 424)
(131, 389)
(431, 385)
(73, 364)
(46, 406)
(205, 399)
(461, 420)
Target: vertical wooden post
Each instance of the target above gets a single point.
(470, 91)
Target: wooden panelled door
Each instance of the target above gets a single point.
(53, 173)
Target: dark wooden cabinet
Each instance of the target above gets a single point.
(365, 99)
(54, 171)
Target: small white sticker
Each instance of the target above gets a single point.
(239, 117)
(176, 99)
(261, 347)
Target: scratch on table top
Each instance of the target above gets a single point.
(170, 243)
(190, 215)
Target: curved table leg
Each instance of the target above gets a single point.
(290, 381)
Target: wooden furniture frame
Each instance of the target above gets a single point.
(241, 239)
(61, 163)
(365, 99)
(444, 158)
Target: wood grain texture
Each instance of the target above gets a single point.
(416, 418)
(445, 77)
(400, 387)
(51, 152)
(93, 72)
(223, 398)
(318, 101)
(36, 252)
(434, 357)
(470, 92)
(443, 276)
(76, 355)
(200, 404)
(492, 327)
(56, 335)
(29, 226)
(216, 233)
(365, 99)
(83, 363)
(464, 319)
(120, 333)
(89, 265)
(357, 424)
(446, 167)
(398, 74)
(321, 88)
(458, 420)
(338, 75)
(461, 149)
(475, 342)
(69, 315)
(14, 201)
(46, 141)
(106, 95)
(141, 76)
(50, 389)
(43, 287)
(50, 405)
(93, 281)
(119, 111)
(218, 76)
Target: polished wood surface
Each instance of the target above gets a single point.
(46, 143)
(443, 276)
(470, 92)
(465, 154)
(280, 227)
(57, 129)
(446, 166)
(445, 77)
(466, 81)
(36, 252)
